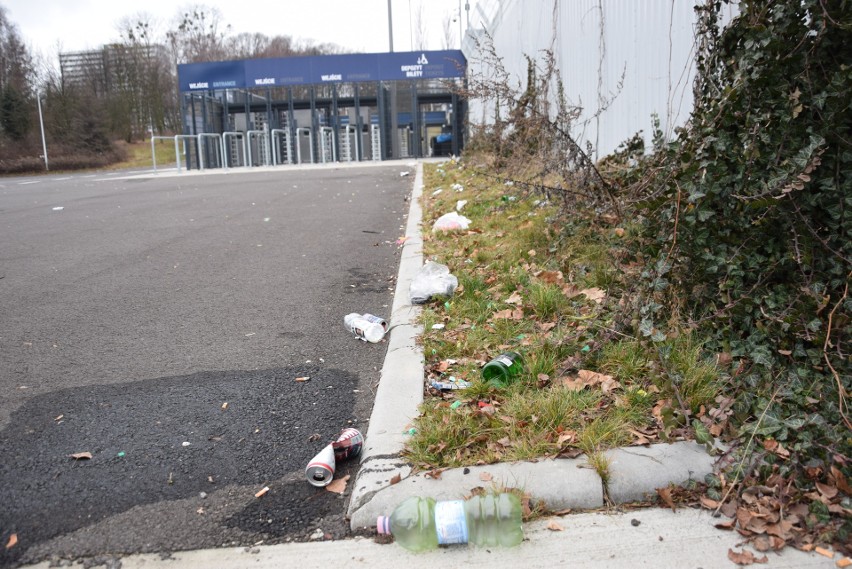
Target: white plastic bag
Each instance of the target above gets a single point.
(451, 222)
(433, 279)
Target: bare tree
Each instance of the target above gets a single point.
(421, 29)
(198, 35)
(448, 36)
(16, 70)
(145, 82)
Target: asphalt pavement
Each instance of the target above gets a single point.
(159, 323)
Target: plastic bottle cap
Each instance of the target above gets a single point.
(383, 525)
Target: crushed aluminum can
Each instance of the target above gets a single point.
(450, 386)
(348, 444)
(320, 469)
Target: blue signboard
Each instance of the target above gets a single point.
(313, 70)
(213, 75)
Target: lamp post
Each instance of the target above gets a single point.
(390, 27)
(43, 139)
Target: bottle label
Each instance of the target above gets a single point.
(450, 522)
(505, 360)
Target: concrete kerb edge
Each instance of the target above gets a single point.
(400, 389)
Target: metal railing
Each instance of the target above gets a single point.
(262, 147)
(217, 138)
(234, 134)
(276, 147)
(348, 133)
(327, 150)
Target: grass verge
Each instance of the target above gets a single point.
(549, 291)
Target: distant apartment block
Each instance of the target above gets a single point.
(109, 68)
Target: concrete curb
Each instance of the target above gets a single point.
(634, 472)
(400, 390)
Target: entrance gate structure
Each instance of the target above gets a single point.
(330, 108)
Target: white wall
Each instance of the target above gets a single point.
(650, 42)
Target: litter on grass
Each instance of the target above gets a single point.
(433, 279)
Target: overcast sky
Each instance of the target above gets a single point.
(50, 26)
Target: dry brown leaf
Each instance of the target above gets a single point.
(552, 277)
(666, 495)
(781, 529)
(81, 455)
(764, 543)
(338, 486)
(485, 476)
(573, 384)
(546, 326)
(570, 291)
(610, 385)
(396, 479)
(502, 314)
(745, 558)
(840, 481)
(729, 525)
(262, 492)
(592, 377)
(13, 541)
(826, 490)
(443, 366)
(435, 474)
(594, 294)
(553, 526)
(708, 503)
(566, 437)
(514, 299)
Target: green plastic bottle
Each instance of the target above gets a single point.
(419, 524)
(500, 371)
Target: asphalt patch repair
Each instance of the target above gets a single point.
(175, 463)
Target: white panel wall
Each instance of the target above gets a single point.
(650, 42)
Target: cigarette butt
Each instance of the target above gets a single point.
(262, 492)
(224, 405)
(845, 562)
(823, 551)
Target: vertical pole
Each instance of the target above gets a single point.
(390, 27)
(43, 139)
(291, 124)
(153, 152)
(460, 26)
(335, 124)
(314, 122)
(359, 125)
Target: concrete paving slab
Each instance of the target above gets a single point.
(657, 539)
(638, 471)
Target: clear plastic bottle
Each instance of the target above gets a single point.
(419, 524)
(363, 328)
(500, 371)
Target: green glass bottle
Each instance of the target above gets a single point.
(419, 524)
(502, 370)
